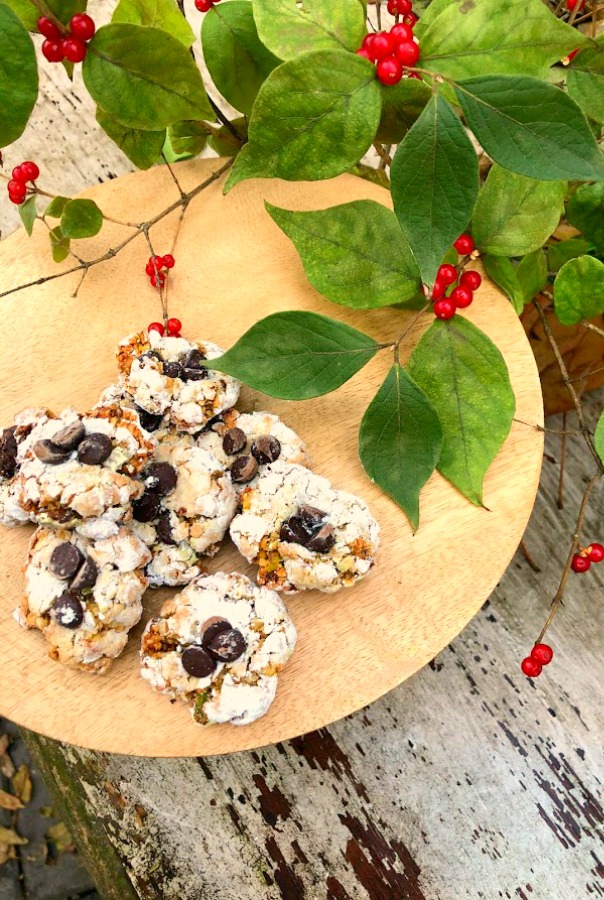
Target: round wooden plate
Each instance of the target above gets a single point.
(233, 267)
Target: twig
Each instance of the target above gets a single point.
(562, 464)
(587, 375)
(383, 155)
(174, 178)
(140, 228)
(529, 558)
(593, 328)
(225, 121)
(547, 430)
(416, 318)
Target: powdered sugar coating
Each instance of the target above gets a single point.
(111, 607)
(11, 513)
(200, 510)
(188, 404)
(280, 491)
(237, 692)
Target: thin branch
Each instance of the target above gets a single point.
(414, 320)
(587, 375)
(174, 178)
(562, 466)
(546, 430)
(529, 558)
(225, 121)
(593, 328)
(383, 155)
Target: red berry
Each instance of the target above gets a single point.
(82, 26)
(407, 52)
(168, 261)
(464, 244)
(156, 326)
(174, 326)
(461, 297)
(543, 653)
(18, 175)
(595, 553)
(157, 280)
(382, 45)
(53, 50)
(48, 28)
(531, 667)
(580, 563)
(404, 7)
(571, 4)
(444, 308)
(73, 49)
(438, 289)
(365, 54)
(447, 274)
(204, 5)
(16, 187)
(410, 19)
(401, 32)
(389, 70)
(29, 171)
(471, 280)
(149, 269)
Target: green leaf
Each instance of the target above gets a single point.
(188, 137)
(65, 9)
(314, 117)
(402, 105)
(288, 28)
(561, 252)
(400, 440)
(521, 281)
(585, 80)
(27, 12)
(236, 58)
(599, 437)
(59, 244)
(579, 290)
(163, 14)
(434, 184)
(224, 142)
(585, 210)
(515, 37)
(81, 219)
(56, 206)
(144, 77)
(28, 213)
(18, 76)
(297, 355)
(466, 378)
(143, 148)
(343, 251)
(530, 127)
(515, 215)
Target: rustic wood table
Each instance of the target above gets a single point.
(468, 780)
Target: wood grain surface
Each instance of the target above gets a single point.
(233, 267)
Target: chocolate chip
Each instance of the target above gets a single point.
(234, 441)
(68, 611)
(266, 449)
(189, 374)
(161, 478)
(149, 421)
(95, 449)
(293, 532)
(147, 507)
(8, 453)
(65, 560)
(311, 516)
(86, 577)
(151, 354)
(212, 628)
(323, 540)
(49, 454)
(244, 469)
(194, 359)
(70, 437)
(163, 527)
(173, 370)
(198, 663)
(227, 646)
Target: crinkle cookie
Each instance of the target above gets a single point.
(219, 646)
(186, 509)
(169, 375)
(116, 395)
(79, 471)
(14, 442)
(302, 534)
(84, 596)
(247, 442)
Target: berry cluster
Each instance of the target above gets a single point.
(205, 5)
(402, 8)
(157, 269)
(17, 186)
(69, 45)
(582, 560)
(452, 290)
(541, 655)
(393, 52)
(173, 327)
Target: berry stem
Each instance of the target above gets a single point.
(383, 155)
(45, 10)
